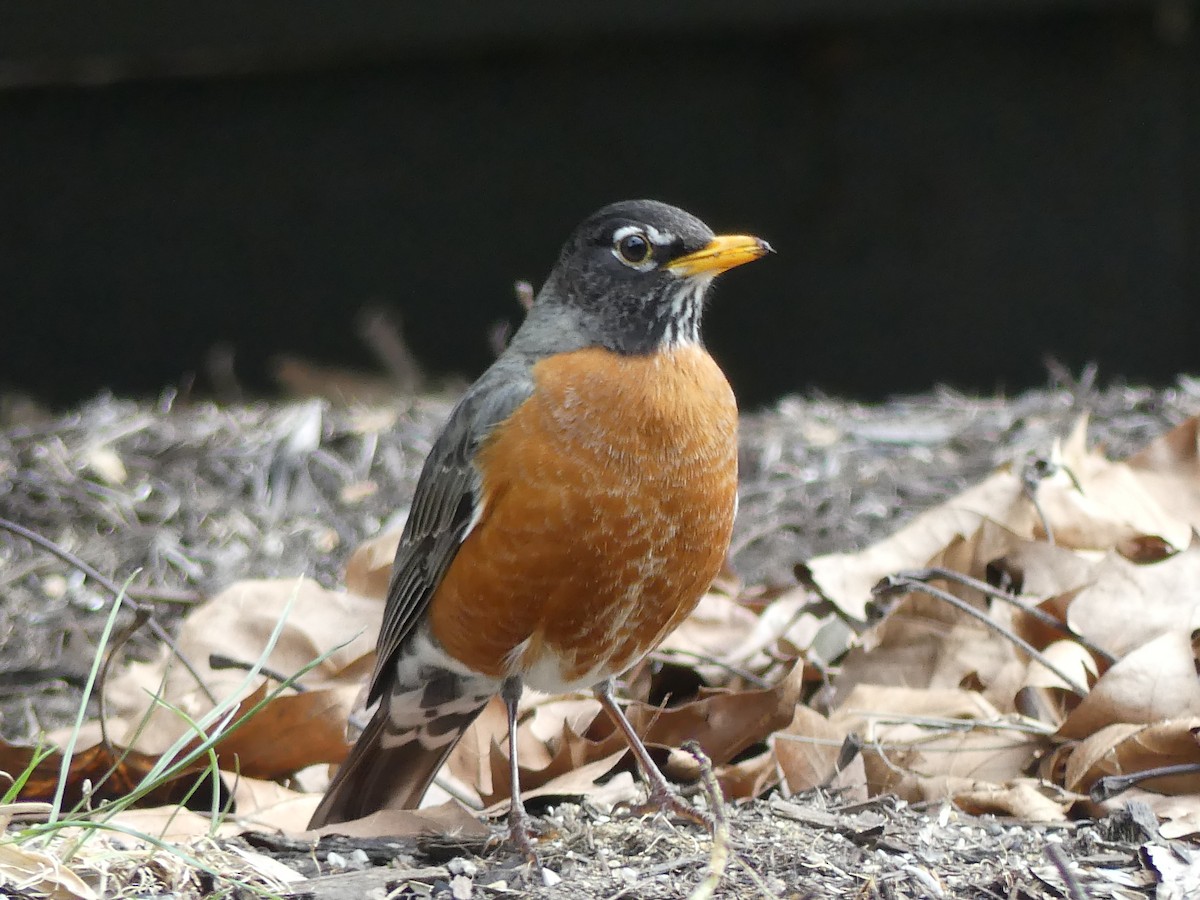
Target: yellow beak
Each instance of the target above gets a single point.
(720, 254)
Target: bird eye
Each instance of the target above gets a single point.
(634, 248)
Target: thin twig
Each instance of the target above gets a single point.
(1058, 858)
(1033, 473)
(118, 641)
(218, 661)
(995, 593)
(895, 583)
(719, 857)
(663, 655)
(1110, 786)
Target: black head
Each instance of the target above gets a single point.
(634, 275)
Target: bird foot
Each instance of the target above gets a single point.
(521, 834)
(662, 799)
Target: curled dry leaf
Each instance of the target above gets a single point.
(38, 871)
(714, 630)
(1022, 798)
(1156, 681)
(1168, 469)
(807, 752)
(746, 778)
(290, 733)
(237, 624)
(1095, 503)
(914, 736)
(98, 773)
(1044, 696)
(724, 723)
(1124, 749)
(1127, 604)
(1091, 503)
(369, 568)
(925, 641)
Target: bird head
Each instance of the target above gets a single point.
(633, 277)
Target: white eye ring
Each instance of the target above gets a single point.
(633, 247)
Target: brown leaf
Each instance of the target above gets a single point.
(1156, 681)
(847, 578)
(915, 735)
(1128, 605)
(715, 629)
(1123, 749)
(1168, 469)
(40, 874)
(807, 752)
(925, 641)
(237, 624)
(1095, 503)
(290, 733)
(369, 568)
(108, 773)
(1023, 799)
(1044, 696)
(747, 778)
(723, 723)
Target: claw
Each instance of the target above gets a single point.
(661, 795)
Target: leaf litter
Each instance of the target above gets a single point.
(871, 740)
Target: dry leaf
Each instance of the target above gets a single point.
(292, 732)
(174, 824)
(715, 629)
(35, 870)
(369, 569)
(100, 773)
(1156, 681)
(237, 624)
(748, 778)
(1128, 604)
(807, 752)
(1023, 799)
(1094, 503)
(1044, 695)
(925, 641)
(913, 737)
(847, 578)
(1123, 749)
(1168, 469)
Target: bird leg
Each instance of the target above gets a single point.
(661, 793)
(519, 826)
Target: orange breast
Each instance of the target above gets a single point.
(608, 504)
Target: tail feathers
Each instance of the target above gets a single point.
(382, 773)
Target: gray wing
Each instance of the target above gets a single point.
(444, 506)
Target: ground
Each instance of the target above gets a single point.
(181, 498)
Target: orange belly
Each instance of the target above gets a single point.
(608, 502)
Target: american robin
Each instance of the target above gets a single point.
(572, 512)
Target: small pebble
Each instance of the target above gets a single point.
(460, 866)
(461, 887)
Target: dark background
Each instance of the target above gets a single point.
(953, 196)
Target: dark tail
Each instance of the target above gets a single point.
(376, 776)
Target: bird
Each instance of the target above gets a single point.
(573, 510)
